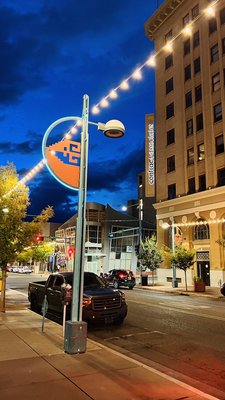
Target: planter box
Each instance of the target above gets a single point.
(199, 286)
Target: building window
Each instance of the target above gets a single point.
(212, 25)
(222, 16)
(196, 39)
(195, 11)
(169, 61)
(201, 152)
(219, 144)
(216, 82)
(187, 72)
(172, 191)
(199, 122)
(198, 93)
(169, 36)
(187, 47)
(201, 231)
(197, 65)
(170, 136)
(217, 112)
(223, 45)
(188, 99)
(171, 164)
(186, 20)
(191, 185)
(170, 110)
(189, 127)
(202, 183)
(190, 156)
(169, 85)
(221, 177)
(214, 51)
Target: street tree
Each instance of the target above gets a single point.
(15, 232)
(150, 255)
(183, 259)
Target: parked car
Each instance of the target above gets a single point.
(24, 269)
(120, 278)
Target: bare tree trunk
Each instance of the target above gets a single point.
(185, 274)
(2, 303)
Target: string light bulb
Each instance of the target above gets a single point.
(124, 85)
(137, 74)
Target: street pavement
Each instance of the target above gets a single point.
(33, 363)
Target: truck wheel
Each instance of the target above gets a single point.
(34, 305)
(131, 287)
(115, 284)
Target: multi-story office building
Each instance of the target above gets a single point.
(189, 37)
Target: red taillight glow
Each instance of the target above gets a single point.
(122, 275)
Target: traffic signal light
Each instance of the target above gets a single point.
(70, 252)
(39, 238)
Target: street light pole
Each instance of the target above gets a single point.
(174, 279)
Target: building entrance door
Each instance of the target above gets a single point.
(203, 268)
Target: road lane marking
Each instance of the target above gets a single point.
(179, 310)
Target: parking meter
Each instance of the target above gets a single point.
(66, 293)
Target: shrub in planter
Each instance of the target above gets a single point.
(199, 284)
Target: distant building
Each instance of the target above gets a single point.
(189, 42)
(111, 239)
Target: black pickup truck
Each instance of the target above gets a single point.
(100, 303)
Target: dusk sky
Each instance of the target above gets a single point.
(52, 53)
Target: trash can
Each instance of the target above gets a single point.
(144, 280)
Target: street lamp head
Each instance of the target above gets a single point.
(112, 128)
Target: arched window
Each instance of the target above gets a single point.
(201, 231)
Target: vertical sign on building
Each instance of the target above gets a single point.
(149, 156)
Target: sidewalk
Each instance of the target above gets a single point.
(213, 292)
(34, 365)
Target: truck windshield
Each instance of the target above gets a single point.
(90, 281)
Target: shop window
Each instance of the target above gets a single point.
(186, 20)
(187, 72)
(216, 82)
(191, 185)
(198, 93)
(201, 152)
(201, 231)
(196, 39)
(170, 136)
(195, 11)
(212, 25)
(202, 183)
(214, 53)
(172, 191)
(171, 164)
(169, 61)
(190, 156)
(169, 85)
(189, 127)
(199, 122)
(217, 109)
(188, 99)
(187, 47)
(170, 110)
(197, 65)
(219, 144)
(221, 177)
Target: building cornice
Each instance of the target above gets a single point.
(159, 17)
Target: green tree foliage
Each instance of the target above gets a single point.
(150, 256)
(183, 259)
(15, 233)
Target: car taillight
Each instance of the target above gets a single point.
(122, 275)
(87, 301)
